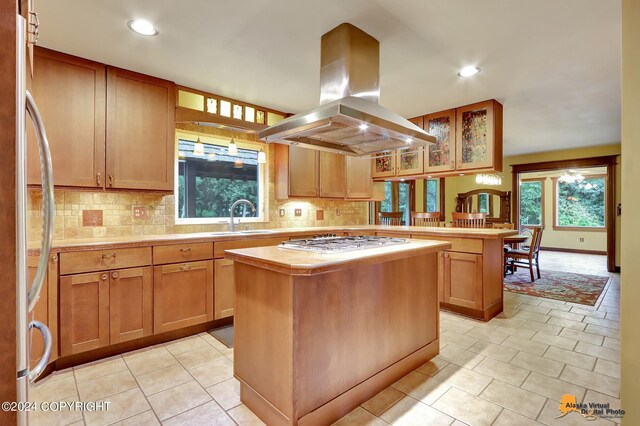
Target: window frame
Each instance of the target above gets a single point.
(441, 196)
(262, 209)
(557, 227)
(543, 181)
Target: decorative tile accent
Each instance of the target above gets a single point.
(91, 218)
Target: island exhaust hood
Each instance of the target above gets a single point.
(349, 119)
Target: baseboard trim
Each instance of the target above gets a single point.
(579, 251)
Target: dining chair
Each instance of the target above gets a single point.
(390, 218)
(427, 219)
(469, 220)
(503, 226)
(526, 258)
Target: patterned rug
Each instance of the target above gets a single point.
(565, 286)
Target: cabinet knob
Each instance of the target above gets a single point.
(54, 258)
(114, 275)
(446, 255)
(104, 277)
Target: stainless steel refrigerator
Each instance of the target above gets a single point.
(28, 293)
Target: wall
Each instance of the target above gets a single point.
(118, 219)
(630, 290)
(457, 184)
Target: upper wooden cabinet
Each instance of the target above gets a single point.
(358, 178)
(140, 131)
(70, 94)
(332, 176)
(410, 161)
(441, 156)
(479, 136)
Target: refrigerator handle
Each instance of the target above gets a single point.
(48, 202)
(35, 372)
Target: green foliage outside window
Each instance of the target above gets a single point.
(432, 195)
(531, 203)
(581, 204)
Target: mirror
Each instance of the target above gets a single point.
(496, 204)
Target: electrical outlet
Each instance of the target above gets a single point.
(139, 212)
(582, 239)
(281, 212)
(337, 212)
(298, 212)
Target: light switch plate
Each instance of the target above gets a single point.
(337, 212)
(281, 212)
(139, 212)
(298, 212)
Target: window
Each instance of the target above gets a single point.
(209, 182)
(432, 195)
(532, 202)
(485, 204)
(580, 205)
(401, 197)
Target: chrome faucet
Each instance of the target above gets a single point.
(232, 225)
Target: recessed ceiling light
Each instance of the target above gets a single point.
(408, 140)
(363, 127)
(468, 71)
(142, 26)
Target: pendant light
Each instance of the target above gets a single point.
(262, 157)
(198, 148)
(233, 148)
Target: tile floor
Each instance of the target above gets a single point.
(511, 370)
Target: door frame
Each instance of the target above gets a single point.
(608, 161)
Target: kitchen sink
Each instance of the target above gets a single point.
(257, 231)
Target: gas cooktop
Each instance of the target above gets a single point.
(330, 243)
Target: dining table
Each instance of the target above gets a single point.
(515, 240)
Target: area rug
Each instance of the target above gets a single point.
(566, 286)
(224, 335)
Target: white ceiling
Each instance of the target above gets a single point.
(555, 65)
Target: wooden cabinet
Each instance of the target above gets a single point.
(70, 93)
(100, 260)
(384, 165)
(359, 184)
(331, 175)
(46, 309)
(182, 295)
(140, 131)
(479, 136)
(303, 172)
(441, 156)
(130, 304)
(462, 279)
(223, 298)
(410, 161)
(84, 312)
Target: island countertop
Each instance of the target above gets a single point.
(299, 262)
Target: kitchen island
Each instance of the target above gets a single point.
(318, 334)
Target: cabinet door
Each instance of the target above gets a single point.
(418, 121)
(140, 131)
(331, 175)
(384, 165)
(476, 137)
(410, 161)
(70, 93)
(84, 312)
(358, 177)
(131, 304)
(224, 285)
(182, 295)
(462, 279)
(303, 172)
(441, 156)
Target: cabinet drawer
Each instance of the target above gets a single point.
(466, 245)
(219, 248)
(182, 253)
(100, 260)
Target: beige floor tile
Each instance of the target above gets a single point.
(148, 418)
(582, 336)
(612, 316)
(519, 400)
(590, 380)
(502, 371)
(550, 387)
(598, 351)
(453, 338)
(553, 340)
(178, 399)
(508, 322)
(197, 357)
(243, 416)
(566, 323)
(98, 369)
(611, 343)
(510, 418)
(56, 418)
(588, 312)
(538, 364)
(142, 362)
(607, 367)
(614, 403)
(460, 356)
(467, 408)
(569, 357)
(53, 390)
(555, 304)
(421, 387)
(532, 316)
(525, 345)
(523, 333)
(218, 345)
(214, 372)
(359, 417)
(62, 374)
(603, 331)
(383, 401)
(122, 406)
(164, 378)
(603, 322)
(543, 327)
(455, 326)
(226, 394)
(411, 412)
(187, 344)
(537, 309)
(105, 386)
(550, 412)
(206, 414)
(487, 335)
(494, 351)
(462, 378)
(432, 366)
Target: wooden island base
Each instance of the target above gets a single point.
(314, 339)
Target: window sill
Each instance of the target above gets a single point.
(578, 228)
(218, 221)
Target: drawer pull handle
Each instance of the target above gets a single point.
(446, 255)
(104, 277)
(185, 267)
(99, 179)
(185, 250)
(109, 255)
(114, 275)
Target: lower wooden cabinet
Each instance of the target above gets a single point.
(462, 279)
(130, 304)
(182, 295)
(84, 312)
(224, 289)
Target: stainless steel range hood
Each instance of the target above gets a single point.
(349, 119)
